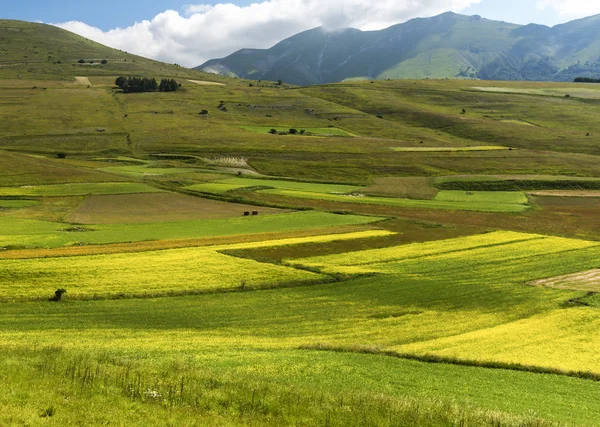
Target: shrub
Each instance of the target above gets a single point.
(58, 295)
(104, 61)
(81, 61)
(273, 131)
(293, 131)
(61, 155)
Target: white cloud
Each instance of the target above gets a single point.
(205, 31)
(571, 8)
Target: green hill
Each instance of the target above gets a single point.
(44, 51)
(444, 46)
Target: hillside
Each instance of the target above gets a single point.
(32, 50)
(398, 253)
(445, 46)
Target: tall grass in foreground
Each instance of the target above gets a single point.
(176, 389)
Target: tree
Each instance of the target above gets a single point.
(104, 61)
(293, 131)
(121, 81)
(81, 61)
(273, 131)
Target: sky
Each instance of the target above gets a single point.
(189, 34)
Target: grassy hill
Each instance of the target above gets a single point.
(32, 50)
(395, 253)
(444, 46)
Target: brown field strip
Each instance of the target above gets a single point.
(582, 281)
(205, 83)
(156, 207)
(172, 244)
(565, 193)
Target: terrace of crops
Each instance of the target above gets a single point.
(411, 222)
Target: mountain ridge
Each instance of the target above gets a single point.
(444, 46)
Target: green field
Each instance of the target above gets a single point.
(490, 202)
(422, 266)
(25, 233)
(328, 131)
(15, 204)
(77, 189)
(449, 149)
(226, 185)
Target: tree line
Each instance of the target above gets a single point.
(586, 80)
(143, 84)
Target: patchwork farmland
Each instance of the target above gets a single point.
(166, 259)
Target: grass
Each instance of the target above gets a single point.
(174, 396)
(176, 271)
(327, 131)
(78, 189)
(217, 355)
(15, 204)
(484, 203)
(23, 233)
(516, 183)
(450, 149)
(240, 183)
(137, 171)
(155, 273)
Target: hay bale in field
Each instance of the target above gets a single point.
(254, 212)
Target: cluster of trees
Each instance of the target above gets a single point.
(143, 84)
(586, 80)
(168, 85)
(290, 132)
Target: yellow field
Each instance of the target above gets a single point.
(155, 272)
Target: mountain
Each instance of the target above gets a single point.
(448, 45)
(30, 49)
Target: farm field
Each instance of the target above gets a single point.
(25, 233)
(77, 189)
(328, 131)
(425, 254)
(156, 207)
(450, 149)
(490, 202)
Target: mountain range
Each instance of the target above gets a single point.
(445, 46)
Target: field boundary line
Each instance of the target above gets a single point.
(431, 358)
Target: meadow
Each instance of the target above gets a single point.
(26, 233)
(415, 260)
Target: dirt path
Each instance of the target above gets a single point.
(566, 193)
(584, 281)
(83, 81)
(202, 82)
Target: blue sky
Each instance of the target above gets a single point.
(108, 14)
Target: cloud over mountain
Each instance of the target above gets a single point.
(200, 32)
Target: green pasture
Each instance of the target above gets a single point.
(449, 149)
(77, 189)
(15, 204)
(327, 131)
(24, 233)
(451, 201)
(517, 182)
